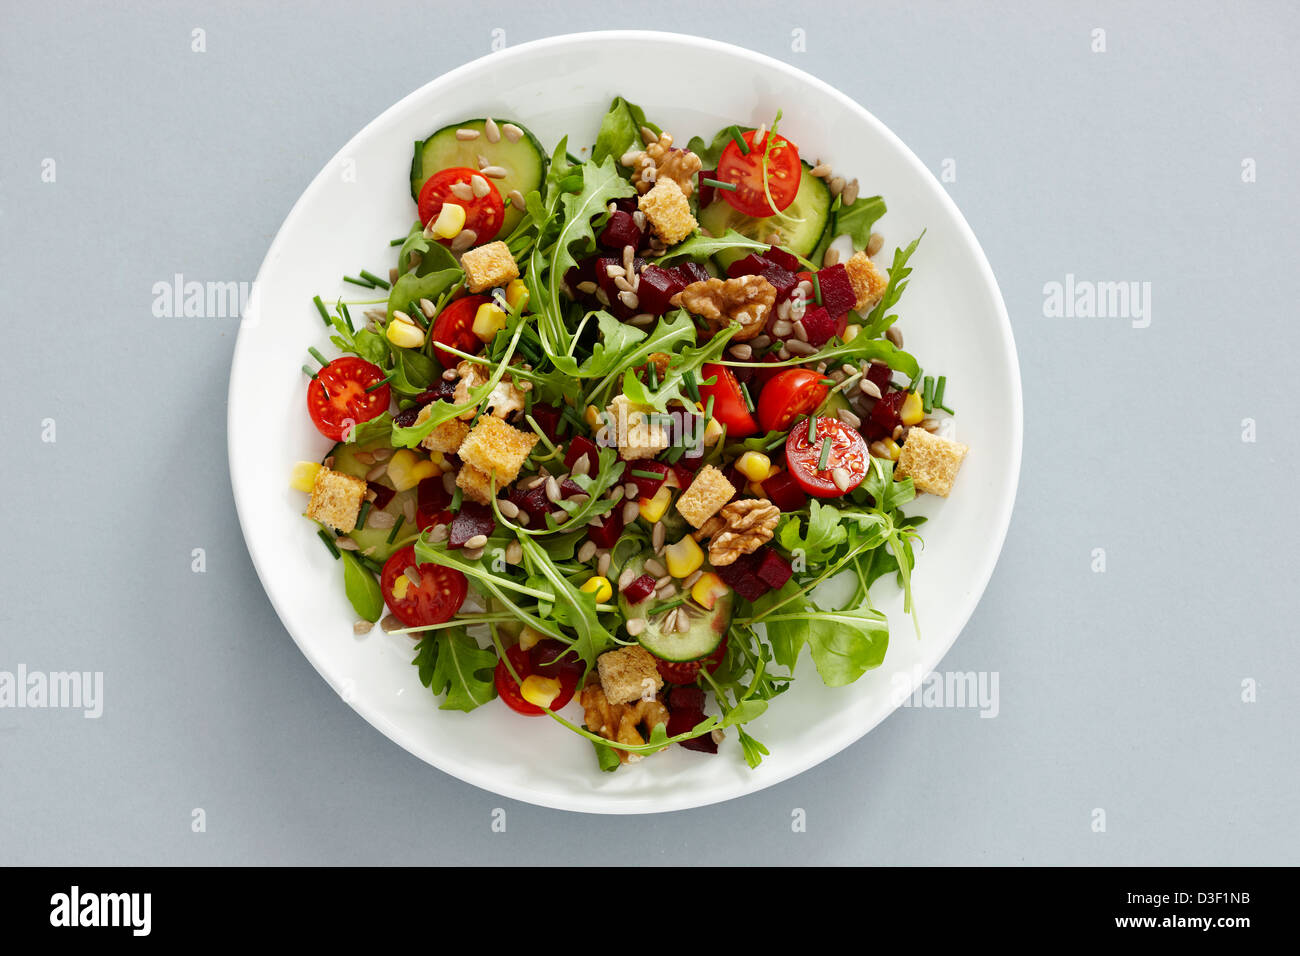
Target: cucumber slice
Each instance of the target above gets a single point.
(373, 542)
(700, 639)
(812, 205)
(524, 162)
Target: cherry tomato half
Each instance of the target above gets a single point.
(454, 326)
(729, 406)
(337, 398)
(685, 672)
(794, 392)
(434, 600)
(508, 689)
(484, 214)
(848, 451)
(746, 170)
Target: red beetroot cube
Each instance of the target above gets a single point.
(604, 279)
(620, 231)
(751, 265)
(740, 577)
(686, 698)
(782, 279)
(472, 519)
(685, 468)
(786, 260)
(608, 531)
(533, 501)
(819, 325)
(646, 487)
(692, 271)
(685, 712)
(838, 296)
(626, 203)
(702, 189)
(569, 488)
(773, 570)
(658, 286)
(885, 413)
(879, 375)
(548, 420)
(384, 494)
(579, 447)
(640, 589)
(784, 491)
(584, 271)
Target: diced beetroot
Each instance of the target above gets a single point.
(383, 494)
(686, 698)
(432, 503)
(608, 531)
(550, 658)
(784, 491)
(640, 589)
(819, 325)
(584, 271)
(740, 577)
(745, 373)
(548, 420)
(646, 487)
(837, 291)
(406, 417)
(764, 375)
(705, 192)
(885, 413)
(782, 279)
(751, 265)
(685, 712)
(626, 203)
(533, 501)
(786, 260)
(879, 375)
(580, 446)
(684, 469)
(692, 271)
(569, 488)
(472, 519)
(658, 285)
(773, 570)
(602, 276)
(620, 231)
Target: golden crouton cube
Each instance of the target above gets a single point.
(705, 497)
(446, 437)
(628, 674)
(868, 282)
(930, 461)
(634, 433)
(336, 499)
(488, 266)
(669, 211)
(495, 448)
(475, 484)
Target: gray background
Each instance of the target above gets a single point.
(1119, 690)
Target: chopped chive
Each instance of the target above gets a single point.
(643, 473)
(939, 387)
(361, 282)
(828, 382)
(569, 415)
(342, 308)
(318, 357)
(812, 429)
(744, 393)
(324, 536)
(739, 139)
(414, 311)
(455, 500)
(306, 370)
(675, 453)
(825, 458)
(370, 563)
(666, 606)
(374, 279)
(817, 289)
(382, 382)
(320, 307)
(927, 394)
(392, 535)
(692, 389)
(652, 370)
(708, 409)
(363, 514)
(718, 184)
(397, 242)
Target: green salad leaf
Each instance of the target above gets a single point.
(451, 663)
(858, 219)
(361, 588)
(620, 131)
(701, 247)
(878, 319)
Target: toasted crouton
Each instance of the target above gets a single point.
(668, 210)
(446, 437)
(868, 281)
(495, 448)
(628, 674)
(475, 483)
(336, 499)
(705, 497)
(930, 461)
(633, 432)
(488, 266)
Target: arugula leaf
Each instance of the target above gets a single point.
(376, 431)
(824, 536)
(877, 321)
(593, 638)
(434, 256)
(884, 490)
(844, 644)
(672, 380)
(711, 152)
(361, 588)
(616, 340)
(674, 328)
(411, 288)
(450, 662)
(858, 219)
(700, 247)
(620, 130)
(371, 346)
(413, 372)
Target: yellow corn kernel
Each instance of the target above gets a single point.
(529, 636)
(400, 585)
(652, 509)
(406, 470)
(684, 557)
(450, 221)
(592, 416)
(440, 460)
(912, 411)
(706, 591)
(404, 334)
(303, 476)
(712, 430)
(599, 587)
(517, 295)
(892, 447)
(756, 489)
(539, 691)
(851, 332)
(488, 321)
(754, 465)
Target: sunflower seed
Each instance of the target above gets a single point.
(514, 552)
(492, 130)
(627, 577)
(631, 489)
(463, 190)
(513, 132)
(836, 185)
(479, 186)
(449, 482)
(362, 627)
(635, 625)
(483, 161)
(380, 519)
(638, 217)
(392, 275)
(895, 335)
(533, 482)
(879, 449)
(648, 135)
(390, 623)
(450, 375)
(587, 287)
(439, 532)
(586, 552)
(477, 541)
(843, 480)
(614, 271)
(798, 308)
(657, 535)
(667, 591)
(869, 388)
(374, 474)
(742, 351)
(848, 418)
(897, 433)
(412, 575)
(830, 257)
(930, 424)
(821, 170)
(408, 510)
(759, 342)
(629, 299)
(630, 511)
(652, 566)
(346, 543)
(553, 490)
(758, 137)
(683, 621)
(629, 260)
(621, 283)
(581, 498)
(641, 318)
(508, 508)
(800, 348)
(582, 466)
(784, 353)
(850, 195)
(472, 554)
(617, 494)
(524, 519)
(875, 243)
(631, 157)
(782, 328)
(494, 172)
(602, 297)
(603, 562)
(465, 135)
(690, 579)
(800, 332)
(464, 240)
(666, 579)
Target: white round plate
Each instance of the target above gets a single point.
(952, 313)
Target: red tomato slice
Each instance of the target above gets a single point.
(848, 451)
(729, 406)
(746, 170)
(434, 600)
(508, 689)
(685, 672)
(454, 326)
(794, 392)
(484, 214)
(337, 398)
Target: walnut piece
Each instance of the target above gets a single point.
(709, 528)
(746, 301)
(751, 522)
(622, 723)
(505, 398)
(660, 161)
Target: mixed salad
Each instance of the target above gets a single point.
(613, 419)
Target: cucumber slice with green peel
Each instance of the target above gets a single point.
(524, 161)
(373, 542)
(704, 632)
(809, 216)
